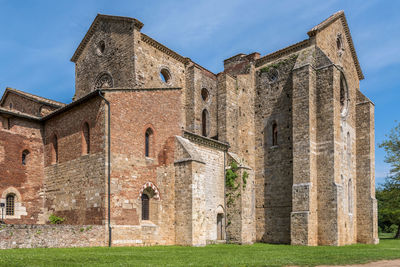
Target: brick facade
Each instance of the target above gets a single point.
(143, 148)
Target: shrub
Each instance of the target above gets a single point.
(55, 219)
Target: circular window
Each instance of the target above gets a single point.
(101, 46)
(273, 75)
(104, 81)
(204, 94)
(165, 75)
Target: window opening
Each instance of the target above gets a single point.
(10, 204)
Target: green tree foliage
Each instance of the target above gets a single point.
(388, 195)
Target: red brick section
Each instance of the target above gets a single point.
(131, 114)
(28, 178)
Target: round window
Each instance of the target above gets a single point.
(273, 75)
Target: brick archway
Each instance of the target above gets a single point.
(152, 186)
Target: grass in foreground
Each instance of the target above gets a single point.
(215, 255)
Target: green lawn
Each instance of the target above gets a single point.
(214, 255)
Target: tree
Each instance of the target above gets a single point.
(388, 195)
(389, 206)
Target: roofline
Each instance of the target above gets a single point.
(71, 105)
(138, 24)
(19, 114)
(96, 93)
(284, 51)
(27, 95)
(340, 15)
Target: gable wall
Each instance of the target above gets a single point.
(25, 105)
(117, 59)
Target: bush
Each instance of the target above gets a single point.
(55, 219)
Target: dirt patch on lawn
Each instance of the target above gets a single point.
(385, 263)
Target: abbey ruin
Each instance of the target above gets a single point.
(156, 149)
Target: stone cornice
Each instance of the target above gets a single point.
(116, 89)
(164, 49)
(201, 140)
(92, 28)
(340, 15)
(282, 52)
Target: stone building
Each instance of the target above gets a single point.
(144, 150)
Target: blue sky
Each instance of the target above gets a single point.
(38, 39)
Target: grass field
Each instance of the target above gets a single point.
(214, 255)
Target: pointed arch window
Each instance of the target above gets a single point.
(149, 136)
(54, 150)
(10, 204)
(24, 157)
(145, 207)
(204, 122)
(350, 196)
(85, 139)
(344, 95)
(274, 134)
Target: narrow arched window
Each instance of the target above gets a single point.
(10, 204)
(54, 150)
(85, 139)
(204, 123)
(274, 134)
(24, 157)
(148, 140)
(350, 196)
(145, 207)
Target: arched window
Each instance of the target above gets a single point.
(204, 123)
(24, 158)
(148, 142)
(145, 207)
(344, 95)
(165, 75)
(85, 139)
(54, 150)
(10, 204)
(348, 143)
(350, 196)
(274, 134)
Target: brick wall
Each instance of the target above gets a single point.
(132, 113)
(75, 185)
(24, 181)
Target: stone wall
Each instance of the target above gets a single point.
(51, 236)
(274, 173)
(199, 80)
(199, 190)
(367, 217)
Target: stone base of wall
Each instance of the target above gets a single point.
(52, 236)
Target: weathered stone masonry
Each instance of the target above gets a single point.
(294, 122)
